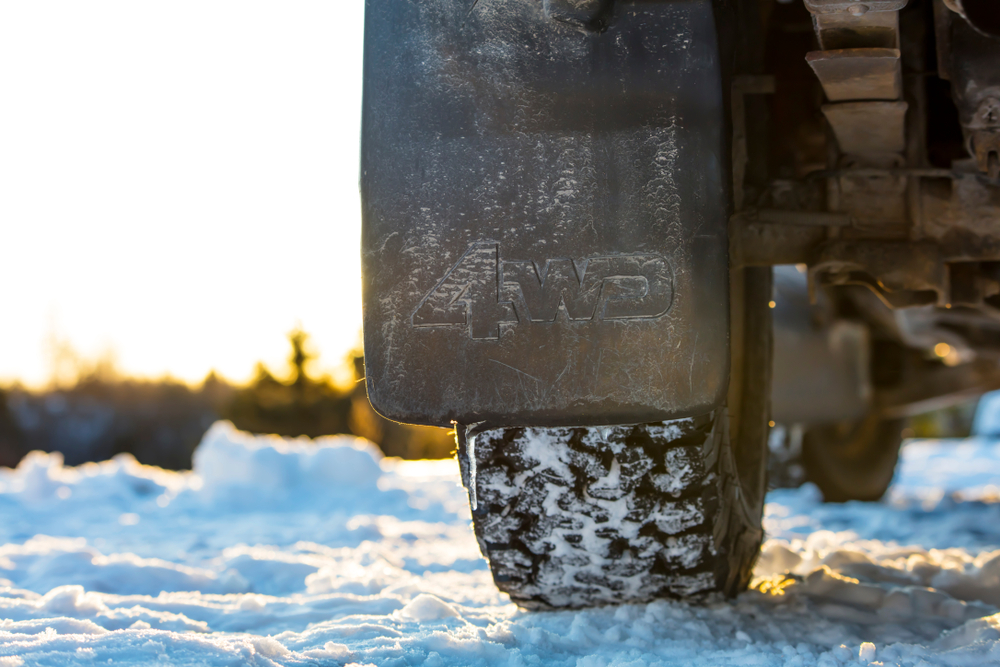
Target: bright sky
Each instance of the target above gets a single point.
(178, 182)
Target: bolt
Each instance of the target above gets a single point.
(989, 111)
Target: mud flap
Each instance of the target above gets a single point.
(545, 207)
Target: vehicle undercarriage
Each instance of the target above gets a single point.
(572, 214)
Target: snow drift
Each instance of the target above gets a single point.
(290, 552)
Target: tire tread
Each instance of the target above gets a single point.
(578, 517)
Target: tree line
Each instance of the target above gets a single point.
(160, 422)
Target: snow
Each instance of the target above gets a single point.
(285, 552)
(987, 417)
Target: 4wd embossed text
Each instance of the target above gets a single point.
(483, 291)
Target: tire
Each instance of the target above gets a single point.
(578, 517)
(852, 461)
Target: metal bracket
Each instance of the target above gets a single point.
(901, 274)
(858, 74)
(986, 144)
(742, 85)
(868, 127)
(853, 7)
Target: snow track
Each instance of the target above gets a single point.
(277, 552)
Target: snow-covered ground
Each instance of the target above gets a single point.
(287, 553)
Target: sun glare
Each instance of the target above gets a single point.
(178, 183)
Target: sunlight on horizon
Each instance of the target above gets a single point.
(178, 183)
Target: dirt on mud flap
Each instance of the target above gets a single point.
(545, 206)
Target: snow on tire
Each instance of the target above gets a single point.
(577, 517)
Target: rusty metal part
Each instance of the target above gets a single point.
(975, 74)
(987, 115)
(864, 303)
(946, 269)
(960, 213)
(986, 144)
(866, 30)
(807, 218)
(969, 286)
(915, 249)
(961, 216)
(766, 244)
(742, 85)
(860, 70)
(846, 6)
(868, 127)
(923, 172)
(984, 139)
(874, 201)
(858, 74)
(961, 226)
(942, 37)
(902, 274)
(936, 386)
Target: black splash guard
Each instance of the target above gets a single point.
(544, 213)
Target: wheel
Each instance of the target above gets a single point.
(576, 517)
(852, 461)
